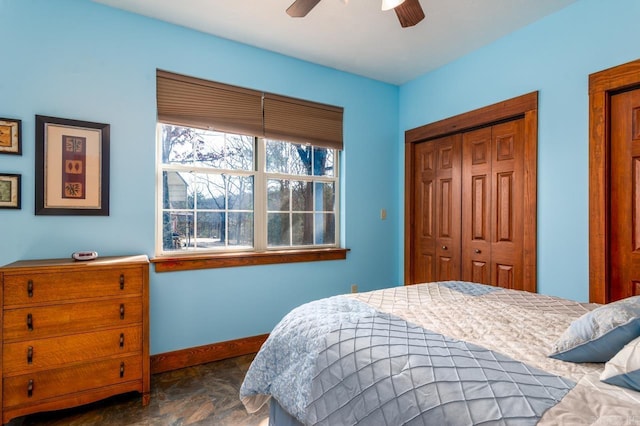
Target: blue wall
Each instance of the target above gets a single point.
(555, 57)
(81, 60)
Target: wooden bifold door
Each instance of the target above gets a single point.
(470, 199)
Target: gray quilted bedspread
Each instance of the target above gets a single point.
(340, 361)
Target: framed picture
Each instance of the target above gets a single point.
(9, 191)
(10, 136)
(72, 167)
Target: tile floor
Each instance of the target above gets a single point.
(202, 395)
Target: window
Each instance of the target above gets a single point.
(207, 189)
(244, 177)
(301, 195)
(217, 196)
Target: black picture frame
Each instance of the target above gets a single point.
(10, 136)
(10, 191)
(71, 167)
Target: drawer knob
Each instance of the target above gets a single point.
(122, 340)
(122, 369)
(30, 388)
(122, 311)
(30, 322)
(444, 247)
(478, 251)
(30, 355)
(30, 288)
(121, 281)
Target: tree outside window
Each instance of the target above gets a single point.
(218, 195)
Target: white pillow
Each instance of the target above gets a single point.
(624, 368)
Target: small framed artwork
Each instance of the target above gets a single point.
(10, 136)
(9, 191)
(72, 167)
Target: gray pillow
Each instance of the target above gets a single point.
(624, 368)
(600, 334)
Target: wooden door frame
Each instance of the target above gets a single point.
(525, 106)
(602, 85)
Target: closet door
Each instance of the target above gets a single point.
(471, 175)
(493, 205)
(437, 210)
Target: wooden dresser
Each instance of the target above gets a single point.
(73, 332)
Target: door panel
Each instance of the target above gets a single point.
(445, 231)
(479, 272)
(504, 207)
(476, 206)
(446, 270)
(507, 204)
(504, 276)
(448, 193)
(480, 208)
(445, 208)
(424, 177)
(424, 268)
(437, 212)
(426, 201)
(624, 265)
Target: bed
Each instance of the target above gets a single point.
(450, 353)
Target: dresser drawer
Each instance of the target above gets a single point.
(55, 320)
(34, 355)
(32, 388)
(31, 288)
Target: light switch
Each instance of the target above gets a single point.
(383, 214)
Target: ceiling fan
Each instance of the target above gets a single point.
(409, 12)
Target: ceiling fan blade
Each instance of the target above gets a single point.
(300, 8)
(409, 13)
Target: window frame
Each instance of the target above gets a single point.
(260, 253)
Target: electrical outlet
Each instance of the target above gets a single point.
(354, 288)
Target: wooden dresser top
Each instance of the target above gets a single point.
(69, 262)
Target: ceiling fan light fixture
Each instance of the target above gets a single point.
(391, 4)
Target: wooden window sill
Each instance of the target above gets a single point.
(226, 260)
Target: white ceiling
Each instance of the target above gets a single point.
(355, 35)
